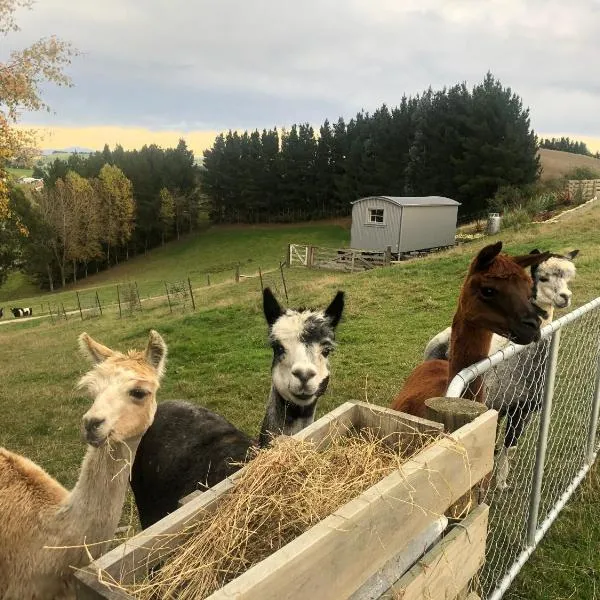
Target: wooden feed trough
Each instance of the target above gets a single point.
(367, 549)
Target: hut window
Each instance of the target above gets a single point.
(376, 215)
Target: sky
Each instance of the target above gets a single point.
(154, 71)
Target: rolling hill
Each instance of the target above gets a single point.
(556, 163)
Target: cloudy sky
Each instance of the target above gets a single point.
(152, 69)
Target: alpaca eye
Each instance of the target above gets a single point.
(278, 349)
(326, 351)
(544, 279)
(488, 292)
(138, 393)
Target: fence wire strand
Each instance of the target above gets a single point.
(515, 387)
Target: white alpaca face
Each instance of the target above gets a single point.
(124, 390)
(124, 403)
(552, 279)
(301, 343)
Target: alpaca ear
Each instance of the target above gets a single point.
(535, 251)
(571, 255)
(156, 352)
(528, 260)
(271, 307)
(486, 256)
(334, 311)
(95, 352)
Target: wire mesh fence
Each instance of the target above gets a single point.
(547, 395)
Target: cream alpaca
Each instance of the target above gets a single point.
(45, 530)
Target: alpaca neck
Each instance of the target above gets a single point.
(468, 345)
(284, 418)
(93, 508)
(549, 310)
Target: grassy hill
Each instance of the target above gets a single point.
(218, 355)
(215, 252)
(556, 164)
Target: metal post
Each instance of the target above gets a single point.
(540, 458)
(99, 305)
(593, 429)
(168, 298)
(262, 287)
(191, 294)
(284, 284)
(79, 304)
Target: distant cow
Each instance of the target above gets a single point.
(22, 312)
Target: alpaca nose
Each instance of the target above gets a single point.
(91, 424)
(304, 374)
(531, 322)
(565, 298)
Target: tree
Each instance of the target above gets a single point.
(116, 207)
(21, 78)
(167, 212)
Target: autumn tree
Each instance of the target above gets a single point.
(117, 209)
(21, 78)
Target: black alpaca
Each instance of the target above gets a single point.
(189, 447)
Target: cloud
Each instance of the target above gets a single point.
(215, 65)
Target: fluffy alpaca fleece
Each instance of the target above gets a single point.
(45, 530)
(191, 448)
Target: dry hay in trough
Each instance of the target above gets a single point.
(284, 491)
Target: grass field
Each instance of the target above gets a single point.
(218, 357)
(215, 252)
(16, 173)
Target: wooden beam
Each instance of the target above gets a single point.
(448, 567)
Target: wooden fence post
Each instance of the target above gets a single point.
(191, 294)
(387, 257)
(79, 304)
(119, 301)
(284, 284)
(208, 278)
(237, 273)
(50, 311)
(99, 305)
(64, 312)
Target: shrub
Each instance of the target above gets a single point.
(516, 219)
(582, 173)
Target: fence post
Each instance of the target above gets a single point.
(138, 295)
(589, 455)
(262, 287)
(289, 256)
(168, 297)
(119, 301)
(387, 257)
(542, 443)
(79, 304)
(192, 294)
(311, 256)
(50, 311)
(237, 273)
(284, 284)
(64, 312)
(99, 305)
(208, 278)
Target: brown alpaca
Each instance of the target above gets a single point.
(495, 298)
(44, 527)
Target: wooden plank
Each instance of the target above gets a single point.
(449, 566)
(370, 529)
(399, 564)
(364, 532)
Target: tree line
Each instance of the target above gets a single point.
(565, 144)
(98, 209)
(456, 142)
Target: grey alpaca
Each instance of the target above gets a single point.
(189, 447)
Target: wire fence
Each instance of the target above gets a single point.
(548, 398)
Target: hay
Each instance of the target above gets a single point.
(285, 490)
